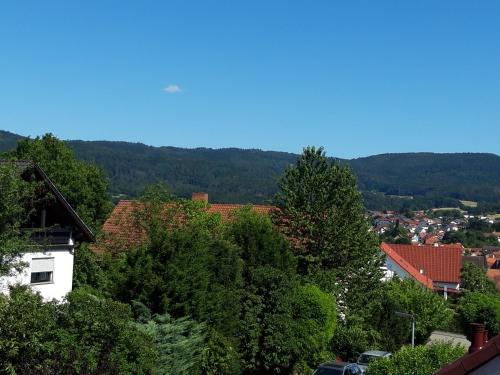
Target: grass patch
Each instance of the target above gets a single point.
(471, 204)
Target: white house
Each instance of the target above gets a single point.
(54, 228)
(435, 267)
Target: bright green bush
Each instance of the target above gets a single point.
(421, 360)
(476, 307)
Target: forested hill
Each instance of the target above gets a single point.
(236, 175)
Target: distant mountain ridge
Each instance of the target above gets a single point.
(237, 176)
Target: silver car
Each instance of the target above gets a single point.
(365, 358)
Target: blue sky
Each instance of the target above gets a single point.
(358, 77)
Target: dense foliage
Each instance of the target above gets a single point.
(477, 307)
(85, 335)
(83, 184)
(199, 294)
(180, 344)
(15, 206)
(321, 211)
(421, 360)
(238, 278)
(473, 279)
(377, 326)
(430, 309)
(392, 181)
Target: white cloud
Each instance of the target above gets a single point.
(172, 89)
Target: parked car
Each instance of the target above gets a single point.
(365, 358)
(338, 368)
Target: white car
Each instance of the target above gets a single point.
(365, 358)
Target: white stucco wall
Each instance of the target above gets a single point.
(394, 267)
(62, 278)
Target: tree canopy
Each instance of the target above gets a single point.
(421, 360)
(83, 184)
(321, 211)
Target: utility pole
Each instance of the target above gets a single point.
(412, 317)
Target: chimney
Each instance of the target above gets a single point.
(202, 197)
(478, 335)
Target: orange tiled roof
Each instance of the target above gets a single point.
(120, 229)
(440, 263)
(494, 277)
(431, 240)
(227, 210)
(404, 264)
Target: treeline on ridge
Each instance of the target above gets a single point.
(388, 181)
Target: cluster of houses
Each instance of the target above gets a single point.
(56, 228)
(420, 229)
(488, 259)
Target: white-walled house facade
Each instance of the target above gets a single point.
(54, 229)
(50, 273)
(435, 267)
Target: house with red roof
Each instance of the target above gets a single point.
(435, 267)
(121, 230)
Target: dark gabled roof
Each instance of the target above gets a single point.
(469, 362)
(478, 260)
(26, 164)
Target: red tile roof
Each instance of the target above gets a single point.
(472, 361)
(120, 229)
(431, 240)
(494, 276)
(227, 210)
(439, 263)
(405, 265)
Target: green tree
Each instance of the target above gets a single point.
(285, 324)
(86, 335)
(354, 336)
(473, 278)
(185, 266)
(421, 360)
(396, 234)
(88, 269)
(83, 184)
(28, 333)
(97, 336)
(431, 310)
(321, 211)
(180, 344)
(477, 307)
(15, 206)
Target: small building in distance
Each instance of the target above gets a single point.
(53, 229)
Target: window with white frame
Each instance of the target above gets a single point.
(42, 270)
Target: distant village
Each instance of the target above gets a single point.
(431, 228)
(423, 228)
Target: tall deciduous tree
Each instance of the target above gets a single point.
(82, 184)
(15, 205)
(473, 278)
(284, 324)
(321, 211)
(478, 307)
